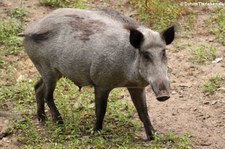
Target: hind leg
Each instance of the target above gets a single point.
(50, 84)
(44, 89)
(40, 93)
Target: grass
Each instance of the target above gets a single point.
(65, 3)
(221, 22)
(214, 84)
(220, 31)
(158, 14)
(190, 22)
(121, 128)
(217, 18)
(171, 140)
(203, 54)
(18, 13)
(10, 43)
(216, 24)
(10, 46)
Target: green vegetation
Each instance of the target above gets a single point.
(190, 22)
(203, 54)
(213, 84)
(65, 3)
(8, 37)
(171, 140)
(221, 23)
(158, 14)
(18, 13)
(9, 28)
(77, 109)
(218, 18)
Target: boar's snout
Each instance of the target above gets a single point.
(163, 95)
(161, 90)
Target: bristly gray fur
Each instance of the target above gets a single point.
(90, 47)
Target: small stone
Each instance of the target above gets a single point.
(186, 85)
(173, 92)
(206, 144)
(91, 105)
(217, 60)
(200, 115)
(211, 39)
(222, 89)
(206, 117)
(214, 102)
(181, 96)
(206, 102)
(195, 109)
(21, 78)
(4, 139)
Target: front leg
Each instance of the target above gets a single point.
(139, 99)
(101, 97)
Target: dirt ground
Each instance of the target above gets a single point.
(188, 109)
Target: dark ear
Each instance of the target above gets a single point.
(136, 38)
(168, 35)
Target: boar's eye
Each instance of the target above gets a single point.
(147, 56)
(163, 53)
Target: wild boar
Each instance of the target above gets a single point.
(101, 48)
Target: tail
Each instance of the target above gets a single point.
(37, 36)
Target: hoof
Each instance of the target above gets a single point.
(150, 138)
(96, 129)
(42, 118)
(59, 120)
